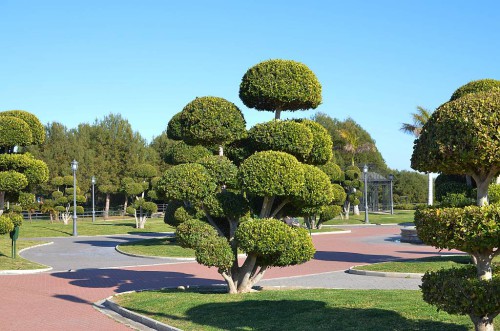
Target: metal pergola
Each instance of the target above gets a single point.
(379, 192)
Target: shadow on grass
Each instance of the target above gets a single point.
(352, 257)
(301, 315)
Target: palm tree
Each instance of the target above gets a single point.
(415, 128)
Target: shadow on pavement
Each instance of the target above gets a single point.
(129, 280)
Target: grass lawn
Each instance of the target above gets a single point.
(399, 216)
(422, 265)
(87, 228)
(8, 263)
(156, 247)
(318, 309)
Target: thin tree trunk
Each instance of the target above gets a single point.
(483, 323)
(277, 114)
(2, 202)
(125, 204)
(106, 208)
(280, 206)
(356, 210)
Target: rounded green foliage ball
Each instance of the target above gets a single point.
(6, 224)
(339, 194)
(216, 252)
(329, 212)
(461, 136)
(130, 210)
(12, 181)
(317, 189)
(284, 136)
(271, 173)
(280, 85)
(174, 127)
(322, 148)
(35, 126)
(482, 85)
(187, 182)
(459, 291)
(333, 171)
(212, 121)
(471, 229)
(17, 219)
(274, 242)
(184, 153)
(190, 233)
(177, 213)
(222, 170)
(14, 132)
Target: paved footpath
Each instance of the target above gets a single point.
(88, 269)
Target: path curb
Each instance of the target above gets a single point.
(154, 257)
(27, 271)
(384, 274)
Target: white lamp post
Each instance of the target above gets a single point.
(74, 167)
(391, 178)
(93, 203)
(365, 176)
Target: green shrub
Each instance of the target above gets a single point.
(405, 206)
(130, 210)
(274, 242)
(184, 153)
(177, 213)
(271, 173)
(482, 85)
(458, 291)
(280, 85)
(14, 132)
(174, 127)
(6, 225)
(221, 169)
(17, 219)
(35, 126)
(212, 121)
(57, 194)
(79, 209)
(213, 251)
(457, 200)
(322, 148)
(329, 213)
(283, 136)
(191, 233)
(15, 209)
(12, 181)
(494, 193)
(333, 171)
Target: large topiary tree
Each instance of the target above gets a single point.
(280, 85)
(461, 137)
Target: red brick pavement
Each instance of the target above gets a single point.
(63, 301)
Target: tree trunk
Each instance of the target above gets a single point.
(2, 202)
(347, 207)
(125, 205)
(482, 323)
(483, 265)
(356, 210)
(267, 205)
(482, 194)
(430, 194)
(277, 114)
(106, 208)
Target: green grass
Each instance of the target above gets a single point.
(87, 228)
(8, 263)
(422, 265)
(399, 216)
(164, 247)
(319, 309)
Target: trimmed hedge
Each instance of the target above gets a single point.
(186, 182)
(190, 233)
(482, 85)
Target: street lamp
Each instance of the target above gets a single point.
(93, 204)
(74, 167)
(365, 176)
(391, 178)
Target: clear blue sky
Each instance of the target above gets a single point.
(75, 61)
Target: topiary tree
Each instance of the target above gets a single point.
(322, 148)
(461, 137)
(145, 208)
(280, 85)
(481, 85)
(352, 185)
(285, 136)
(62, 199)
(211, 121)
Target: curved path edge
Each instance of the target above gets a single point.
(28, 271)
(384, 273)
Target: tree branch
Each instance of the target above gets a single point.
(280, 206)
(211, 221)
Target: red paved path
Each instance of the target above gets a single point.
(63, 301)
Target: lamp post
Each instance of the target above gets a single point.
(74, 167)
(391, 178)
(365, 177)
(93, 203)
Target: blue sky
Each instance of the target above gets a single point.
(76, 61)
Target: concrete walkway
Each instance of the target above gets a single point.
(87, 269)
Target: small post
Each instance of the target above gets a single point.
(74, 167)
(365, 177)
(93, 201)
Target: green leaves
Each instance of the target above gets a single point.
(471, 229)
(271, 173)
(280, 85)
